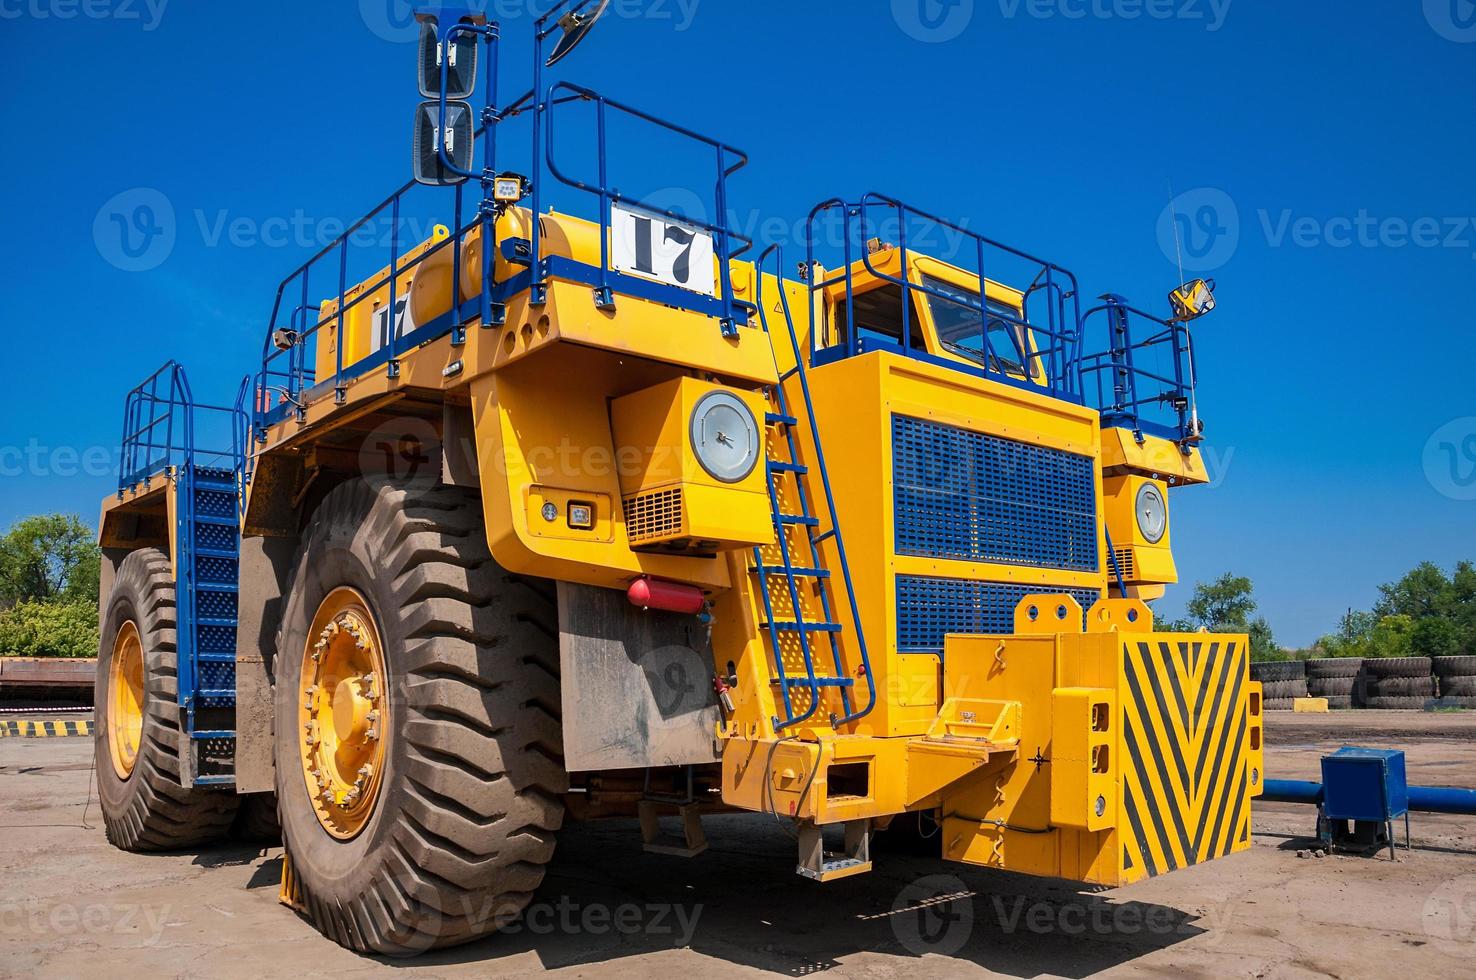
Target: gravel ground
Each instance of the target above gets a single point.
(74, 907)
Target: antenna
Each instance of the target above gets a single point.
(1195, 426)
(576, 26)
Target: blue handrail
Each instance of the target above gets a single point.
(729, 160)
(1130, 395)
(1060, 355)
(159, 426)
(814, 540)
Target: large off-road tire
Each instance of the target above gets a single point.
(143, 805)
(1458, 686)
(1272, 690)
(1402, 687)
(1278, 670)
(1463, 666)
(463, 816)
(1396, 703)
(1399, 667)
(1334, 667)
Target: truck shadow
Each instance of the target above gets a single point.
(604, 900)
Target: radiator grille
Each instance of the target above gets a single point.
(930, 608)
(969, 496)
(655, 516)
(1127, 563)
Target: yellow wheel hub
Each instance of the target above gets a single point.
(125, 699)
(343, 713)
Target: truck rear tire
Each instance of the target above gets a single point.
(444, 834)
(137, 729)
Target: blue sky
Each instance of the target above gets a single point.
(1330, 143)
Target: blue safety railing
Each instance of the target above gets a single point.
(289, 376)
(811, 567)
(1144, 378)
(161, 421)
(728, 160)
(1044, 337)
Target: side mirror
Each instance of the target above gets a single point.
(460, 55)
(457, 139)
(1192, 300)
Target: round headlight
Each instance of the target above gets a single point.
(725, 436)
(1152, 513)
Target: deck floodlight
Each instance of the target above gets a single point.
(576, 26)
(430, 139)
(1192, 300)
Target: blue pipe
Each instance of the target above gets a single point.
(1423, 799)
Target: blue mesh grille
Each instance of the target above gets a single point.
(930, 608)
(973, 497)
(217, 570)
(215, 605)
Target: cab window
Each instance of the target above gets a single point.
(878, 314)
(957, 319)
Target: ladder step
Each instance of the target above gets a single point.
(820, 538)
(220, 486)
(202, 736)
(820, 681)
(217, 553)
(788, 627)
(789, 374)
(222, 521)
(796, 572)
(774, 418)
(217, 658)
(799, 519)
(776, 466)
(206, 586)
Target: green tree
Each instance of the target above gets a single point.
(48, 557)
(1226, 605)
(58, 628)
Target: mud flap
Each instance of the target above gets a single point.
(637, 684)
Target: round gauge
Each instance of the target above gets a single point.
(725, 436)
(1152, 513)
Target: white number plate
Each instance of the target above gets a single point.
(662, 249)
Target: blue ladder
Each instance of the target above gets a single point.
(810, 575)
(207, 591)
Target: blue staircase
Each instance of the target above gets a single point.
(208, 543)
(202, 449)
(794, 579)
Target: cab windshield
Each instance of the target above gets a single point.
(957, 320)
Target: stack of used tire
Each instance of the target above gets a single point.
(1282, 682)
(1338, 679)
(1398, 682)
(1457, 680)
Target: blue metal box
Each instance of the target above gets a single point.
(1364, 784)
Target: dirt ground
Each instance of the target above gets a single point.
(71, 906)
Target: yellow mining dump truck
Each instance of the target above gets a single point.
(557, 517)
